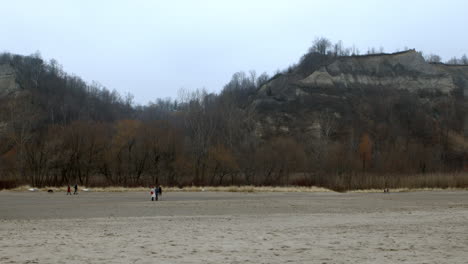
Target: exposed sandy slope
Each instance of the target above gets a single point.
(420, 227)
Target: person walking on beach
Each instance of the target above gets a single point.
(159, 190)
(156, 192)
(69, 190)
(153, 193)
(76, 189)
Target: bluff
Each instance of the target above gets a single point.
(361, 93)
(404, 70)
(8, 83)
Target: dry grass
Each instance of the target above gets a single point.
(397, 190)
(353, 183)
(403, 182)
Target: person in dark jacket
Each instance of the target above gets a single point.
(76, 189)
(156, 193)
(159, 190)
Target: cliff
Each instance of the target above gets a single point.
(404, 70)
(8, 83)
(340, 88)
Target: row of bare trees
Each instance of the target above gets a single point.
(60, 130)
(324, 46)
(208, 141)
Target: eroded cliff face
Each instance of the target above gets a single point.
(8, 84)
(301, 102)
(9, 92)
(459, 74)
(407, 70)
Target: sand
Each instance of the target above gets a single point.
(413, 227)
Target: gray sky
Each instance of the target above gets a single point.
(153, 48)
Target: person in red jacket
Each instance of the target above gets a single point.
(68, 190)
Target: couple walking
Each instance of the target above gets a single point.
(69, 189)
(155, 192)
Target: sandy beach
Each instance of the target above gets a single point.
(204, 227)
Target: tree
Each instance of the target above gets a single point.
(80, 149)
(23, 120)
(222, 162)
(454, 60)
(278, 158)
(200, 126)
(241, 86)
(433, 58)
(165, 145)
(36, 162)
(320, 45)
(262, 79)
(371, 51)
(365, 150)
(464, 60)
(338, 49)
(127, 155)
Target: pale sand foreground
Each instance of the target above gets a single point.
(415, 227)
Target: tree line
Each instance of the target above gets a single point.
(61, 130)
(324, 46)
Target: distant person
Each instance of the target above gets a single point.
(76, 189)
(159, 190)
(156, 192)
(153, 193)
(69, 190)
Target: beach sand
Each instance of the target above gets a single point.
(204, 227)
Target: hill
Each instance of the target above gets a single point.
(341, 86)
(331, 120)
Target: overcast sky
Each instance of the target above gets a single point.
(153, 48)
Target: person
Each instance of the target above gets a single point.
(153, 195)
(159, 190)
(68, 190)
(76, 189)
(155, 190)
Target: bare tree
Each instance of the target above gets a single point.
(365, 151)
(371, 51)
(461, 61)
(23, 118)
(320, 45)
(433, 58)
(338, 49)
(200, 126)
(454, 60)
(262, 79)
(464, 59)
